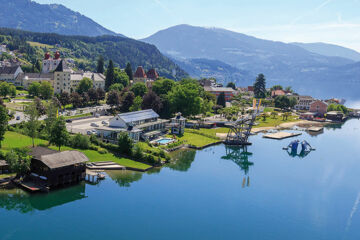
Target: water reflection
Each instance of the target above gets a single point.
(124, 178)
(182, 160)
(240, 156)
(23, 202)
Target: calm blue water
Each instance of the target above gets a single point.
(204, 196)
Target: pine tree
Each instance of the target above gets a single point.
(260, 86)
(129, 71)
(221, 99)
(100, 65)
(110, 76)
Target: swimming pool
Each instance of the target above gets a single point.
(164, 141)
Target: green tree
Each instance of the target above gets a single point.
(18, 161)
(84, 86)
(260, 86)
(101, 94)
(4, 89)
(137, 104)
(110, 75)
(221, 99)
(113, 98)
(64, 99)
(274, 114)
(231, 85)
(59, 135)
(139, 89)
(76, 99)
(39, 106)
(34, 89)
(121, 77)
(129, 71)
(163, 86)
(127, 101)
(93, 95)
(276, 87)
(46, 90)
(12, 90)
(51, 116)
(282, 102)
(116, 86)
(125, 144)
(185, 98)
(292, 102)
(152, 101)
(100, 65)
(80, 141)
(32, 124)
(3, 122)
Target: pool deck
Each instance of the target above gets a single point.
(281, 135)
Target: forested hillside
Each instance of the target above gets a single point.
(85, 51)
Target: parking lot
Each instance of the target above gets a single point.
(84, 125)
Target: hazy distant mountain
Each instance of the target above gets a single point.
(330, 50)
(206, 68)
(282, 63)
(50, 18)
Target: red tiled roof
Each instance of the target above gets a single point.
(278, 93)
(152, 74)
(140, 73)
(250, 88)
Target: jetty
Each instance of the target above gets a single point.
(106, 165)
(281, 135)
(315, 129)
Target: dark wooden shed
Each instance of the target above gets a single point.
(57, 168)
(4, 167)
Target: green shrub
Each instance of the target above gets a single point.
(80, 141)
(102, 150)
(138, 152)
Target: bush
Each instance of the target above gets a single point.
(125, 144)
(102, 150)
(94, 140)
(138, 152)
(80, 141)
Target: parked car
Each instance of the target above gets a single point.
(105, 123)
(89, 133)
(17, 118)
(69, 121)
(94, 125)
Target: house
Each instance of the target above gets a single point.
(318, 107)
(25, 79)
(250, 89)
(4, 167)
(152, 75)
(178, 124)
(229, 92)
(303, 102)
(335, 116)
(144, 124)
(52, 168)
(278, 92)
(10, 73)
(50, 64)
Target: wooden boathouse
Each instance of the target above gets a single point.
(51, 168)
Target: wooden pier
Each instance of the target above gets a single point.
(93, 176)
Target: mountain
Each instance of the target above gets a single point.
(85, 51)
(49, 18)
(207, 68)
(330, 50)
(282, 63)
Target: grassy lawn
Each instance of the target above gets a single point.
(272, 122)
(21, 92)
(16, 140)
(196, 139)
(41, 45)
(6, 175)
(78, 116)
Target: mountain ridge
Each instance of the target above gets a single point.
(48, 18)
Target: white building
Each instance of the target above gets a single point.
(10, 74)
(25, 79)
(303, 102)
(2, 49)
(144, 124)
(50, 64)
(97, 79)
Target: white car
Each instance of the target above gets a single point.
(105, 123)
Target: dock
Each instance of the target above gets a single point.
(93, 176)
(315, 129)
(107, 165)
(281, 135)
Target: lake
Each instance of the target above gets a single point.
(216, 193)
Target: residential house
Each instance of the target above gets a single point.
(278, 92)
(307, 116)
(10, 73)
(303, 102)
(144, 124)
(229, 92)
(318, 107)
(52, 168)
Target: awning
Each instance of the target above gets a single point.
(152, 133)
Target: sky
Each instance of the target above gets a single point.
(330, 21)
